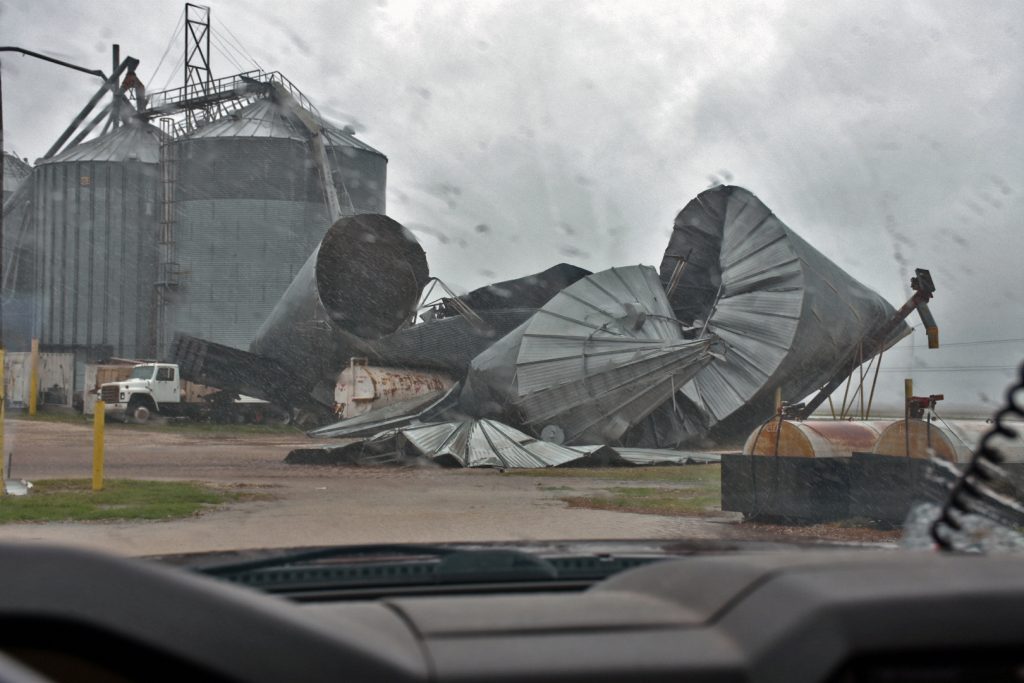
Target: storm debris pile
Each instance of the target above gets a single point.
(560, 367)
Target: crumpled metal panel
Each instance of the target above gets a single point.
(485, 443)
(665, 456)
(446, 343)
(602, 405)
(788, 316)
(529, 291)
(398, 414)
(469, 442)
(602, 355)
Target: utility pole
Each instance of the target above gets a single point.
(115, 106)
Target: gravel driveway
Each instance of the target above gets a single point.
(312, 505)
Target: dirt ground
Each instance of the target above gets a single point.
(317, 505)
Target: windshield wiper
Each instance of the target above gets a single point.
(392, 565)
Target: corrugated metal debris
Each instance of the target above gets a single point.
(666, 456)
(530, 291)
(597, 359)
(471, 442)
(620, 358)
(447, 343)
(484, 443)
(399, 414)
(788, 316)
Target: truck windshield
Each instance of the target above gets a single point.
(142, 372)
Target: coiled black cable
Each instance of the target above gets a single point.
(977, 473)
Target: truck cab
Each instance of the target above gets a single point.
(147, 389)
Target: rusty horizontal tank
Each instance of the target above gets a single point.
(361, 388)
(362, 282)
(814, 438)
(926, 438)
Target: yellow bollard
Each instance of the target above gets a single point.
(97, 446)
(33, 379)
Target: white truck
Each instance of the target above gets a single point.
(157, 389)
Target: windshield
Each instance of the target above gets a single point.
(142, 372)
(505, 271)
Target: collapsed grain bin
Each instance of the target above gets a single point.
(362, 282)
(594, 361)
(789, 317)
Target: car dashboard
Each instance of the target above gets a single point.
(813, 615)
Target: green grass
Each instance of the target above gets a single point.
(671, 474)
(208, 429)
(73, 500)
(694, 501)
(684, 490)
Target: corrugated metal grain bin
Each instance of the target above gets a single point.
(250, 210)
(94, 230)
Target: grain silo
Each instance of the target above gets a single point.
(94, 228)
(250, 208)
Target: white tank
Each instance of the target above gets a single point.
(361, 388)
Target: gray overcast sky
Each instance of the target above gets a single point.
(525, 133)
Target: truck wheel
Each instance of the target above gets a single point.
(138, 411)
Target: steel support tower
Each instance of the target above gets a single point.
(197, 57)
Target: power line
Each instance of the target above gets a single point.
(220, 47)
(174, 69)
(238, 44)
(954, 368)
(983, 341)
(178, 27)
(973, 342)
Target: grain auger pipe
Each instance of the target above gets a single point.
(924, 290)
